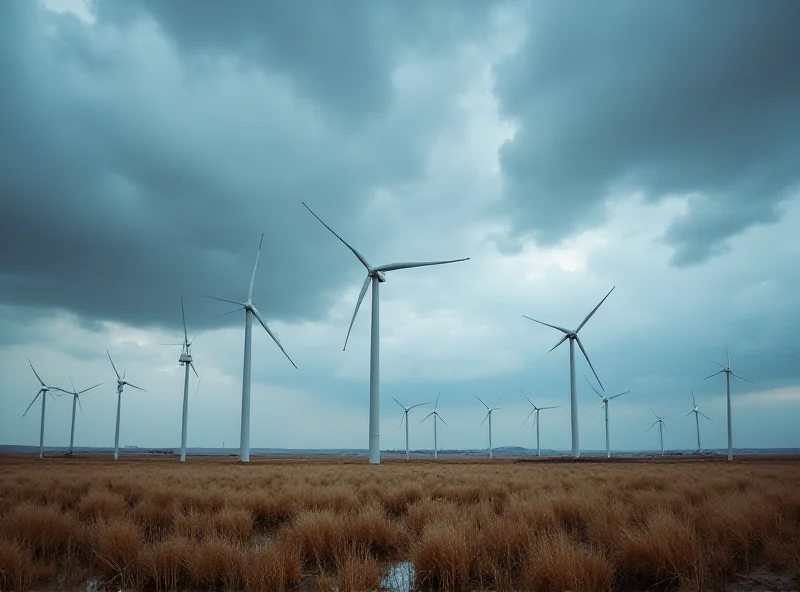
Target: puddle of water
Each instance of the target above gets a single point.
(400, 577)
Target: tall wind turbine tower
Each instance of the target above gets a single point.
(187, 362)
(405, 418)
(375, 276)
(43, 392)
(661, 427)
(697, 414)
(573, 337)
(536, 411)
(605, 407)
(121, 382)
(728, 373)
(76, 399)
(250, 311)
(436, 417)
(488, 416)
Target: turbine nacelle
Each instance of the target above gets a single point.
(185, 358)
(377, 274)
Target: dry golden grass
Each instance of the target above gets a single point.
(328, 524)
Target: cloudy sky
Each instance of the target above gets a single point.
(565, 148)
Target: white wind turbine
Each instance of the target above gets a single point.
(605, 406)
(187, 362)
(375, 276)
(436, 417)
(661, 426)
(250, 312)
(405, 418)
(697, 413)
(488, 416)
(536, 410)
(728, 373)
(573, 337)
(43, 392)
(76, 399)
(121, 382)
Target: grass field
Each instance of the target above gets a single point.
(338, 524)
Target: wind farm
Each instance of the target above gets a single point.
(517, 193)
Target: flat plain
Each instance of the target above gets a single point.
(149, 522)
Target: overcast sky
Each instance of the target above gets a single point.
(565, 148)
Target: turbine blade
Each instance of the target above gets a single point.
(594, 310)
(694, 402)
(717, 363)
(420, 404)
(653, 412)
(651, 427)
(271, 334)
(136, 387)
(401, 419)
(740, 378)
(713, 375)
(196, 389)
(526, 398)
(591, 385)
(222, 300)
(33, 401)
(481, 400)
(688, 414)
(88, 389)
(344, 242)
(36, 373)
(664, 425)
(529, 416)
(553, 407)
(437, 400)
(222, 314)
(619, 395)
(112, 365)
(728, 353)
(562, 340)
(498, 401)
(426, 417)
(399, 403)
(191, 365)
(355, 312)
(547, 325)
(484, 419)
(79, 403)
(442, 420)
(183, 314)
(396, 266)
(585, 355)
(74, 390)
(706, 416)
(255, 267)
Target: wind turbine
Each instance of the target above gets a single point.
(489, 417)
(536, 410)
(43, 392)
(436, 416)
(76, 394)
(573, 337)
(661, 424)
(405, 418)
(697, 413)
(605, 405)
(375, 276)
(121, 382)
(250, 312)
(728, 373)
(187, 362)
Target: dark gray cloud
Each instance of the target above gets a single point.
(132, 175)
(666, 98)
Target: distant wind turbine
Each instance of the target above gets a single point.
(728, 373)
(661, 426)
(436, 416)
(573, 337)
(405, 418)
(121, 382)
(375, 276)
(488, 416)
(605, 406)
(43, 392)
(187, 362)
(536, 410)
(697, 413)
(250, 312)
(76, 399)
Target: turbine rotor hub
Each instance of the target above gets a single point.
(377, 274)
